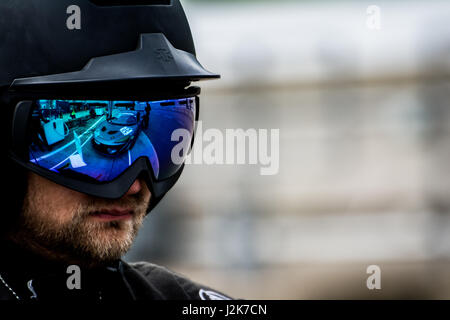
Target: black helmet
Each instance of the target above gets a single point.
(97, 49)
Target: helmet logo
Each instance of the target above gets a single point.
(211, 295)
(73, 22)
(163, 54)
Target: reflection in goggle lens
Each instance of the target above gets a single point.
(101, 139)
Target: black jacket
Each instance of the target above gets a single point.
(26, 276)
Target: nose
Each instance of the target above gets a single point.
(136, 187)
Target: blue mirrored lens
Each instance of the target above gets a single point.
(101, 139)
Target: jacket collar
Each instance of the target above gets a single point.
(21, 268)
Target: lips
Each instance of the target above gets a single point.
(113, 214)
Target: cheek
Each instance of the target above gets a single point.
(58, 204)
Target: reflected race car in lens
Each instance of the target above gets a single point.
(117, 135)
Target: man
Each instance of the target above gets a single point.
(74, 211)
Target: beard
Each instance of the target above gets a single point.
(82, 239)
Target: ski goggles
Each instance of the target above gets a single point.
(83, 144)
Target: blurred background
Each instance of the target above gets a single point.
(364, 119)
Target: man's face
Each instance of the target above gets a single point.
(66, 224)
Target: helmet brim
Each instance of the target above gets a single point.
(155, 59)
